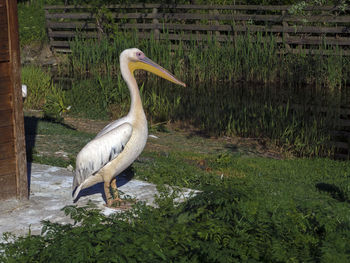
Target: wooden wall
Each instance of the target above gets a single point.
(13, 167)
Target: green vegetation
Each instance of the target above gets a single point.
(53, 143)
(250, 209)
(243, 88)
(43, 95)
(259, 210)
(31, 20)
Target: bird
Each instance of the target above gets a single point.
(118, 144)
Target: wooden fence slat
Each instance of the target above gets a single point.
(71, 25)
(219, 17)
(72, 34)
(340, 145)
(197, 7)
(199, 27)
(344, 123)
(308, 40)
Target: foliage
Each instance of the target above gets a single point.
(280, 211)
(56, 103)
(38, 82)
(42, 93)
(31, 20)
(264, 87)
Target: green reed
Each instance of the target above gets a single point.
(244, 88)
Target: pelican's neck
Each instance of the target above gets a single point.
(136, 109)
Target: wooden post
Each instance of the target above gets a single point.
(13, 166)
(155, 22)
(284, 34)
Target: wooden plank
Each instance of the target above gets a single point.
(219, 17)
(7, 166)
(340, 145)
(235, 28)
(21, 162)
(4, 70)
(7, 150)
(341, 156)
(6, 118)
(8, 186)
(310, 40)
(80, 16)
(344, 123)
(62, 44)
(187, 37)
(71, 25)
(5, 87)
(6, 134)
(198, 27)
(198, 7)
(174, 6)
(72, 34)
(4, 45)
(3, 14)
(6, 101)
(312, 51)
(344, 134)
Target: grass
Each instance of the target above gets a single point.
(31, 20)
(53, 143)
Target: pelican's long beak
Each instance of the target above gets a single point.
(146, 64)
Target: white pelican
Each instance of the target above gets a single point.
(118, 144)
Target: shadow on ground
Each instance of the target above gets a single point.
(122, 179)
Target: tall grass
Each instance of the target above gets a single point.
(242, 88)
(38, 82)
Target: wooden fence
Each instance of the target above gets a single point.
(317, 26)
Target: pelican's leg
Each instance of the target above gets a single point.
(109, 198)
(114, 191)
(112, 195)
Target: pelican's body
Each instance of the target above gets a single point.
(117, 145)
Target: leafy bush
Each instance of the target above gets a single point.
(277, 211)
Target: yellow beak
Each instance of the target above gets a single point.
(147, 64)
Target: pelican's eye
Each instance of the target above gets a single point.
(140, 55)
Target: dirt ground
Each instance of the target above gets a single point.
(186, 136)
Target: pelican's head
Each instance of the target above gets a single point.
(136, 59)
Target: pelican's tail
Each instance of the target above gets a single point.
(77, 191)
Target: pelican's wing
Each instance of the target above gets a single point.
(112, 126)
(101, 150)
